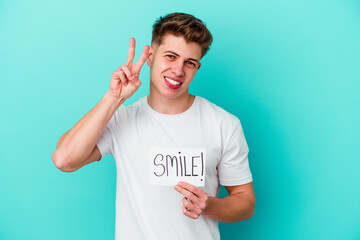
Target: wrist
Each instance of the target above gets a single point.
(210, 203)
(114, 99)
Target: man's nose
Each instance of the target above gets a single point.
(178, 69)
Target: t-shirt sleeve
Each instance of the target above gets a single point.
(105, 142)
(233, 168)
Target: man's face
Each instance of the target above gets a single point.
(173, 65)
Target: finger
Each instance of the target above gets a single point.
(126, 70)
(192, 188)
(134, 78)
(138, 83)
(131, 52)
(123, 78)
(187, 194)
(189, 213)
(135, 85)
(189, 206)
(142, 58)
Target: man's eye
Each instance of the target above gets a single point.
(170, 56)
(190, 63)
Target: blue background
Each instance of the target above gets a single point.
(290, 70)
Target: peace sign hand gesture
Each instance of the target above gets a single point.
(125, 80)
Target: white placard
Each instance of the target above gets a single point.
(168, 166)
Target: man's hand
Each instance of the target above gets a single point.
(125, 80)
(195, 201)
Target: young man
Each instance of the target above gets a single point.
(169, 119)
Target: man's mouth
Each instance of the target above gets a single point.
(172, 83)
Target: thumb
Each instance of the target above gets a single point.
(138, 83)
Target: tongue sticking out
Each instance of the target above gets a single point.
(172, 83)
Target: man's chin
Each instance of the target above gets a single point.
(171, 94)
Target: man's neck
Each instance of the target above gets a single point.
(170, 106)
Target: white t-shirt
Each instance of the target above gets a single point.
(145, 211)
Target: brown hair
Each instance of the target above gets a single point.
(185, 25)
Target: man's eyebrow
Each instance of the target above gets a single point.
(193, 59)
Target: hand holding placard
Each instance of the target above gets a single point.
(195, 201)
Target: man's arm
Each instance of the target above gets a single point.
(77, 147)
(238, 206)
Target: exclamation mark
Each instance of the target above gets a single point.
(202, 165)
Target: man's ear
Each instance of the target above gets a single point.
(150, 56)
(199, 66)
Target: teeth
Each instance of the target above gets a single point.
(172, 81)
